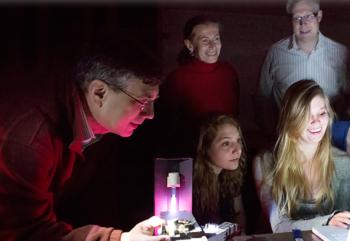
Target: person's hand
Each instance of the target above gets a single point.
(341, 219)
(143, 231)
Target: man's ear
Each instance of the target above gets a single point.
(188, 45)
(319, 16)
(97, 90)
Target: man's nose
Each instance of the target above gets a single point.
(302, 21)
(148, 112)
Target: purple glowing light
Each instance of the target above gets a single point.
(183, 195)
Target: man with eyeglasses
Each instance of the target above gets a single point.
(40, 145)
(306, 54)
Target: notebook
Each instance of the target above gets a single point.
(331, 233)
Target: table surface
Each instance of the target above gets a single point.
(307, 236)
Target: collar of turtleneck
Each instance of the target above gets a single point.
(200, 66)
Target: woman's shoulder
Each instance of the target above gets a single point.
(341, 161)
(262, 164)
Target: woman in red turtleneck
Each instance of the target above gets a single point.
(200, 86)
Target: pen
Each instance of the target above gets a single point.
(297, 235)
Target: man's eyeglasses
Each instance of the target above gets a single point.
(305, 19)
(143, 104)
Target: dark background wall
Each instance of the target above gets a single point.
(40, 43)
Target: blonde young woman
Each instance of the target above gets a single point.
(218, 172)
(305, 181)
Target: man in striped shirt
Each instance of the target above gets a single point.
(306, 54)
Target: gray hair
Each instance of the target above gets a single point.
(115, 75)
(314, 3)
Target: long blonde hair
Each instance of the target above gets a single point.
(288, 181)
(207, 188)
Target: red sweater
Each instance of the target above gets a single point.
(203, 88)
(38, 148)
(190, 93)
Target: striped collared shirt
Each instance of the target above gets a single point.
(88, 136)
(83, 134)
(285, 64)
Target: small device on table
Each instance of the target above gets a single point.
(297, 235)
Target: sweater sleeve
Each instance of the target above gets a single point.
(27, 174)
(93, 233)
(280, 222)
